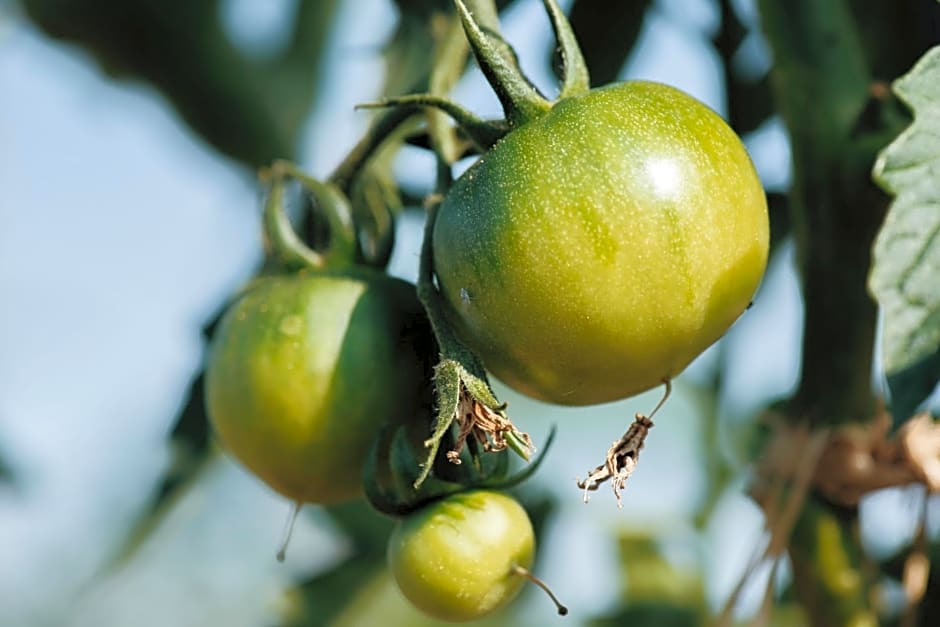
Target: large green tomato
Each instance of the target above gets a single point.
(305, 369)
(595, 251)
(454, 559)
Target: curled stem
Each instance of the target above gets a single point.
(284, 245)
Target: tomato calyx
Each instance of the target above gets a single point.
(465, 399)
(462, 391)
(392, 471)
(520, 100)
(624, 455)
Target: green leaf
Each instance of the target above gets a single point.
(905, 275)
(6, 474)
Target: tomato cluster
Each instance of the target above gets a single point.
(598, 245)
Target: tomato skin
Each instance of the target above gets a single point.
(598, 249)
(305, 369)
(453, 559)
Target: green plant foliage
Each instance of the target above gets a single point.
(904, 277)
(249, 109)
(655, 592)
(607, 32)
(748, 97)
(316, 601)
(6, 474)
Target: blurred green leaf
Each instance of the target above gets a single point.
(822, 88)
(651, 579)
(889, 57)
(749, 98)
(607, 32)
(190, 452)
(248, 108)
(779, 211)
(654, 592)
(910, 386)
(828, 575)
(904, 277)
(928, 612)
(320, 599)
(317, 601)
(6, 473)
(649, 614)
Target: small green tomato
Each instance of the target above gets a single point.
(460, 558)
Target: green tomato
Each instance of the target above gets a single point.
(455, 558)
(305, 369)
(595, 251)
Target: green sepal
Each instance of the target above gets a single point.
(405, 470)
(521, 101)
(391, 458)
(447, 395)
(501, 482)
(576, 78)
(391, 469)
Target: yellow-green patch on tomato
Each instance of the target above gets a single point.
(598, 249)
(454, 559)
(305, 369)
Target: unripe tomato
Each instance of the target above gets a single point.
(305, 369)
(454, 559)
(596, 250)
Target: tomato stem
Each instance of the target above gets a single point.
(525, 572)
(518, 444)
(282, 243)
(483, 133)
(288, 530)
(381, 129)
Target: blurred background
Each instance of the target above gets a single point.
(130, 133)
